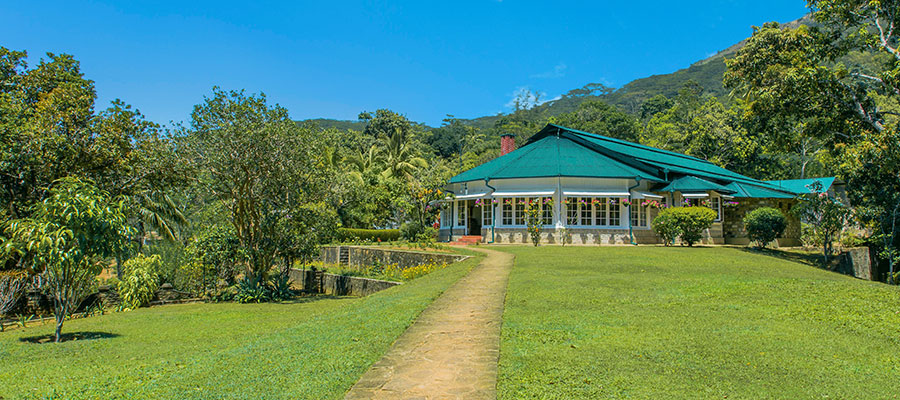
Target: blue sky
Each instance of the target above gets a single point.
(333, 59)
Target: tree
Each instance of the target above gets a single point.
(453, 138)
(400, 159)
(827, 215)
(840, 80)
(259, 164)
(596, 116)
(67, 238)
(876, 193)
(655, 105)
(49, 130)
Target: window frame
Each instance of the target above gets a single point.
(461, 217)
(487, 213)
(507, 211)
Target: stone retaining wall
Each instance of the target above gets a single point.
(367, 256)
(338, 285)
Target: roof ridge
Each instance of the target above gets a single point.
(633, 144)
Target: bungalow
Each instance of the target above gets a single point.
(602, 190)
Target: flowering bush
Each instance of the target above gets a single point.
(394, 272)
(651, 204)
(534, 221)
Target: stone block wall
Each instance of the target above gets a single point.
(734, 230)
(366, 256)
(338, 285)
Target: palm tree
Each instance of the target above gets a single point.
(157, 212)
(362, 162)
(153, 212)
(399, 158)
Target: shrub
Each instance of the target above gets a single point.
(394, 272)
(666, 226)
(764, 225)
(687, 223)
(693, 221)
(374, 235)
(252, 289)
(411, 230)
(140, 282)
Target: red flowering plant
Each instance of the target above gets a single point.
(626, 202)
(651, 204)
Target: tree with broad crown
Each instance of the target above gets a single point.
(67, 238)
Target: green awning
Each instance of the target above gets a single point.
(693, 184)
(802, 186)
(752, 191)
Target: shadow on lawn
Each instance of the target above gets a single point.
(815, 260)
(312, 298)
(68, 337)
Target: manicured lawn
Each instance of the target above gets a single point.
(704, 323)
(313, 348)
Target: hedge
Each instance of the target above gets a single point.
(374, 235)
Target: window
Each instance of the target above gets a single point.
(547, 208)
(507, 211)
(638, 214)
(587, 210)
(520, 210)
(445, 218)
(615, 216)
(716, 204)
(461, 213)
(487, 213)
(664, 201)
(600, 210)
(571, 211)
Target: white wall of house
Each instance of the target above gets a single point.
(584, 203)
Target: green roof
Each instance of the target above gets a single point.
(655, 158)
(693, 184)
(560, 151)
(747, 190)
(801, 186)
(552, 156)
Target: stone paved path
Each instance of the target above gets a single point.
(451, 350)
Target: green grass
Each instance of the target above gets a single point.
(704, 323)
(313, 348)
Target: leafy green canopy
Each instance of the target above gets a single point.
(810, 82)
(67, 239)
(266, 171)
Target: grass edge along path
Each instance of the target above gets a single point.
(654, 322)
(318, 354)
(451, 351)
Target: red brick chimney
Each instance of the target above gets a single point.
(507, 143)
